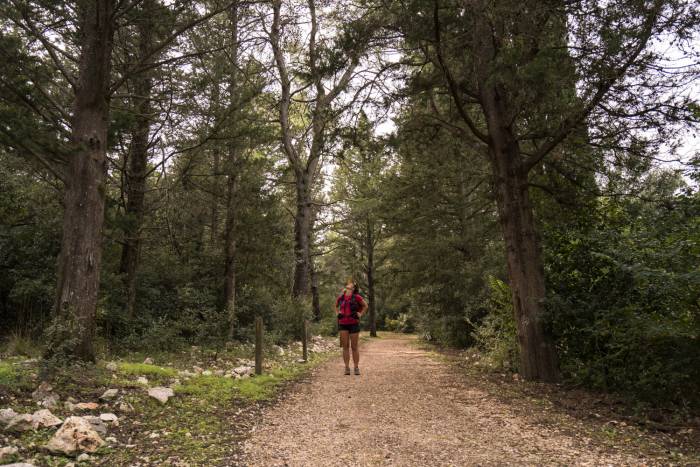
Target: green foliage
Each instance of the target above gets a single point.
(20, 345)
(402, 323)
(496, 335)
(623, 297)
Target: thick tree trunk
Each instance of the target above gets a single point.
(302, 232)
(136, 168)
(84, 199)
(523, 252)
(370, 281)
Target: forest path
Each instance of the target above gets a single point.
(408, 408)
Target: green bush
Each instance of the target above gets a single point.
(496, 335)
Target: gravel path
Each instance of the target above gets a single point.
(409, 409)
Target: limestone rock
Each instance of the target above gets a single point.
(75, 435)
(7, 452)
(50, 401)
(161, 394)
(42, 392)
(96, 423)
(125, 407)
(148, 361)
(84, 457)
(109, 394)
(108, 417)
(22, 422)
(86, 406)
(142, 380)
(6, 415)
(243, 370)
(45, 419)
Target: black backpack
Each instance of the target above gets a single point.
(354, 306)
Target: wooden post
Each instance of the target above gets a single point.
(258, 345)
(305, 341)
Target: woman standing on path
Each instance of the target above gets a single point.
(350, 306)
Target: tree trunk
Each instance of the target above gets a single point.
(370, 281)
(302, 232)
(79, 262)
(315, 299)
(524, 255)
(230, 254)
(216, 168)
(231, 167)
(137, 166)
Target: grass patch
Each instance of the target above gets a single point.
(13, 378)
(144, 369)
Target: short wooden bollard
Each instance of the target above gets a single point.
(258, 345)
(305, 342)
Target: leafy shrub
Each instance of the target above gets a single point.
(403, 323)
(496, 335)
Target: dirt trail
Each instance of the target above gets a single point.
(409, 409)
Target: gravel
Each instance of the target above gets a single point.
(410, 409)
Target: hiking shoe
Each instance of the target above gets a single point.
(357, 371)
(347, 371)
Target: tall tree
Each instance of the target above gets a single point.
(135, 175)
(305, 146)
(509, 69)
(359, 220)
(84, 196)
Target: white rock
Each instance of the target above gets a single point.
(75, 435)
(19, 464)
(219, 372)
(108, 417)
(111, 366)
(45, 419)
(6, 415)
(6, 452)
(142, 380)
(161, 394)
(109, 394)
(243, 370)
(44, 390)
(206, 373)
(278, 349)
(50, 401)
(148, 361)
(111, 440)
(96, 423)
(83, 457)
(22, 422)
(125, 407)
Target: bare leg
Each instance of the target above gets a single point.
(345, 344)
(354, 341)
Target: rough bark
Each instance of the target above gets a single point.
(136, 170)
(302, 232)
(523, 251)
(370, 280)
(84, 198)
